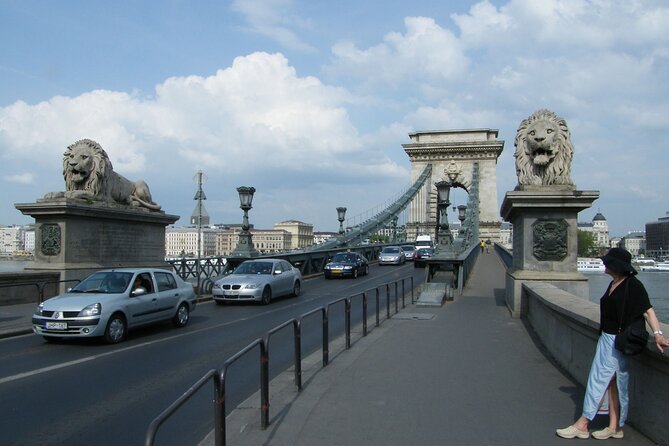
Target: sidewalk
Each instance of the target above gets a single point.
(463, 374)
(16, 319)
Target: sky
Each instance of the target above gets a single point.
(310, 101)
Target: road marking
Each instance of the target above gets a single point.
(169, 338)
(131, 347)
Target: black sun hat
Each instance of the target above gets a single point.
(619, 261)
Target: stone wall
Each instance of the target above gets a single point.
(568, 327)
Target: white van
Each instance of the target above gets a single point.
(424, 240)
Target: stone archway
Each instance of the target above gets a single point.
(452, 154)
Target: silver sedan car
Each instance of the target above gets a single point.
(258, 280)
(392, 255)
(109, 303)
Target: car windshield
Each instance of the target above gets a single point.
(111, 282)
(254, 268)
(407, 248)
(390, 251)
(344, 258)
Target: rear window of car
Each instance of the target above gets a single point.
(390, 250)
(165, 281)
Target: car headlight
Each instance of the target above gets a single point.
(348, 267)
(218, 286)
(327, 266)
(251, 286)
(91, 310)
(40, 308)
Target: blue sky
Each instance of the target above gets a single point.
(310, 101)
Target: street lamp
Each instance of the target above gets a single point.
(462, 209)
(341, 216)
(245, 246)
(443, 202)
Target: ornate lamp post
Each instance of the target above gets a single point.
(462, 209)
(245, 246)
(341, 216)
(444, 236)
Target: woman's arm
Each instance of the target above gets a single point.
(654, 323)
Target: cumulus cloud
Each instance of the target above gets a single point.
(425, 52)
(274, 19)
(21, 178)
(246, 123)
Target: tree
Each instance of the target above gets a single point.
(587, 246)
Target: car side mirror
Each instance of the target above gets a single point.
(277, 272)
(138, 291)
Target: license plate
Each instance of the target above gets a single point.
(56, 325)
(231, 293)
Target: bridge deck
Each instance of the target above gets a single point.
(462, 374)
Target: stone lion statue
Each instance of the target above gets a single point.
(89, 175)
(543, 150)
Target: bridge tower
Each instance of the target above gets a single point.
(452, 154)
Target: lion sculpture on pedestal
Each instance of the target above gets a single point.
(543, 150)
(89, 175)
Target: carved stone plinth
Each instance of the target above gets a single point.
(77, 238)
(545, 240)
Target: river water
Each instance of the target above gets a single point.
(657, 285)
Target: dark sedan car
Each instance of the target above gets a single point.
(421, 255)
(346, 264)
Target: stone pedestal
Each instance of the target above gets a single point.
(76, 238)
(545, 240)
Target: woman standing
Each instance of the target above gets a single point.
(610, 367)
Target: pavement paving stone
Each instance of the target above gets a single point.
(469, 375)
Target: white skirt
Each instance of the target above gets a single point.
(607, 362)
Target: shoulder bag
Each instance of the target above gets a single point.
(634, 338)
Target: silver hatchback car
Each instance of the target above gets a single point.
(109, 303)
(258, 280)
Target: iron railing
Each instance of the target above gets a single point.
(262, 344)
(40, 286)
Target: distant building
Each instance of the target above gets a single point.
(506, 235)
(322, 237)
(184, 242)
(10, 240)
(634, 242)
(199, 214)
(264, 240)
(302, 233)
(599, 228)
(657, 238)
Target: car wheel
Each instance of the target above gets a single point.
(266, 295)
(183, 315)
(296, 288)
(116, 329)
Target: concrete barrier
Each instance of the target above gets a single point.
(27, 287)
(568, 326)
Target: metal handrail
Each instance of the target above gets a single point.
(218, 414)
(263, 344)
(41, 286)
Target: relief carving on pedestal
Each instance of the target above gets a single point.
(549, 239)
(50, 239)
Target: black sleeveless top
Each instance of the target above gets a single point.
(611, 307)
